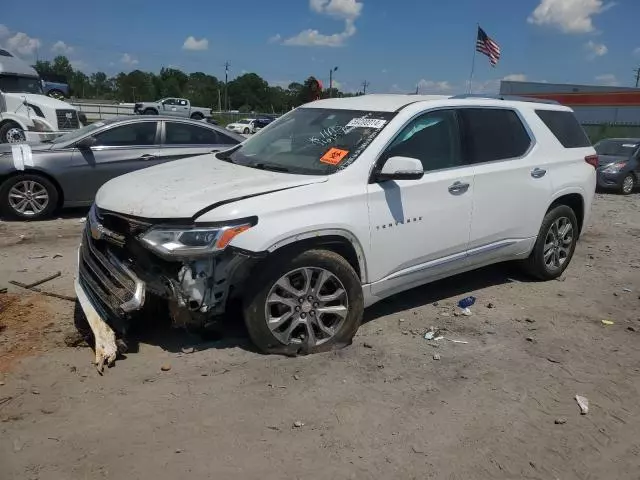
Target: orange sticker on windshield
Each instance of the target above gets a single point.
(334, 156)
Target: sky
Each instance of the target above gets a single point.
(395, 46)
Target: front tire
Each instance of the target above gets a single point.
(11, 132)
(150, 111)
(308, 302)
(246, 131)
(28, 197)
(628, 184)
(555, 245)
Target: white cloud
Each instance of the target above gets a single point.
(343, 9)
(488, 86)
(516, 77)
(79, 64)
(191, 43)
(431, 86)
(347, 10)
(129, 60)
(61, 48)
(22, 44)
(636, 52)
(570, 16)
(595, 49)
(275, 39)
(4, 31)
(608, 79)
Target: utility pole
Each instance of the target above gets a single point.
(226, 87)
(331, 81)
(365, 84)
(134, 94)
(637, 72)
(219, 101)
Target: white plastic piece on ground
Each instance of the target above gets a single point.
(583, 403)
(105, 338)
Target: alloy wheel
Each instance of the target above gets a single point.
(627, 184)
(15, 135)
(306, 305)
(557, 244)
(28, 198)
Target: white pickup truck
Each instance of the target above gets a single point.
(26, 114)
(180, 107)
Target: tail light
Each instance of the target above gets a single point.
(592, 160)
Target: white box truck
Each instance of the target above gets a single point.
(26, 114)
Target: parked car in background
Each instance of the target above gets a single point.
(261, 122)
(244, 126)
(337, 205)
(179, 107)
(618, 164)
(68, 170)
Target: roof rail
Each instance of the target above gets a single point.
(515, 98)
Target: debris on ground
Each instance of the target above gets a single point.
(433, 334)
(631, 329)
(529, 320)
(626, 290)
(467, 302)
(296, 377)
(367, 345)
(165, 367)
(490, 305)
(298, 424)
(436, 356)
(457, 341)
(560, 421)
(583, 403)
(607, 322)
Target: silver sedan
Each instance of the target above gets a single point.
(37, 179)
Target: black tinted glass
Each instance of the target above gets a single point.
(134, 134)
(185, 134)
(493, 134)
(565, 127)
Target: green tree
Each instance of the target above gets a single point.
(249, 90)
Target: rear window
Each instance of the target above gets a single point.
(565, 128)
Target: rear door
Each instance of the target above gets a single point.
(118, 150)
(182, 108)
(511, 186)
(183, 139)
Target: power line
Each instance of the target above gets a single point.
(365, 84)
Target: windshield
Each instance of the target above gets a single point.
(244, 122)
(311, 141)
(618, 148)
(20, 84)
(78, 134)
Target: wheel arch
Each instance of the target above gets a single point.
(575, 201)
(9, 118)
(34, 171)
(339, 241)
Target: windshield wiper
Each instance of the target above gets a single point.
(269, 166)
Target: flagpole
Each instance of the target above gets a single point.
(473, 60)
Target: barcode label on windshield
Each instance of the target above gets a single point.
(366, 123)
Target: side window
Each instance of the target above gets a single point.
(169, 101)
(185, 134)
(134, 134)
(493, 134)
(432, 138)
(183, 103)
(565, 128)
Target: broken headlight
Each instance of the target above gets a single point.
(191, 242)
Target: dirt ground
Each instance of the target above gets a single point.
(392, 405)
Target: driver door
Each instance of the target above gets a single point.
(420, 228)
(170, 107)
(118, 150)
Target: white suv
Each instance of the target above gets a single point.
(336, 205)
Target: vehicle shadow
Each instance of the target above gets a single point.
(230, 331)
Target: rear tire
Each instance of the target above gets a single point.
(197, 116)
(628, 184)
(303, 316)
(555, 244)
(40, 197)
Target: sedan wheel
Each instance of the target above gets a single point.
(628, 184)
(306, 305)
(29, 197)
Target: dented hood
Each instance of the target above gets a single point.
(186, 188)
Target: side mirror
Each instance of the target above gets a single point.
(86, 143)
(400, 168)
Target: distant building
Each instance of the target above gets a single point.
(593, 104)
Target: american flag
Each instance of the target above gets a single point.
(485, 45)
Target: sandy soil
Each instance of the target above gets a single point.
(500, 406)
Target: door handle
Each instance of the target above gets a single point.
(538, 172)
(148, 156)
(458, 188)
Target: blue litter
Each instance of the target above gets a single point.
(466, 302)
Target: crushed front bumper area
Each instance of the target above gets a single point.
(119, 279)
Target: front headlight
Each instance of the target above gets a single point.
(614, 167)
(39, 126)
(191, 242)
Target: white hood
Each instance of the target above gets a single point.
(183, 188)
(40, 100)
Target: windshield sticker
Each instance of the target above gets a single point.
(334, 156)
(329, 135)
(629, 145)
(367, 123)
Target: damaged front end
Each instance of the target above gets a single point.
(127, 266)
